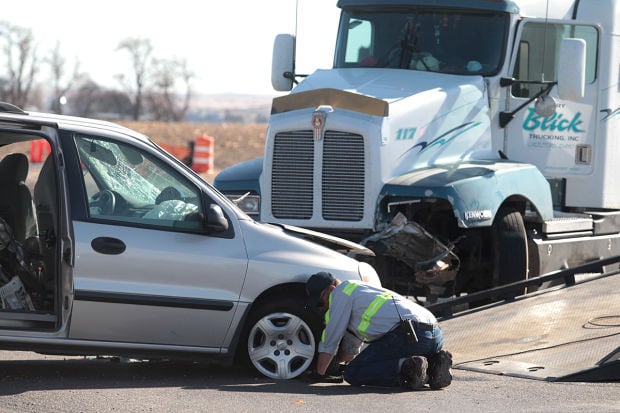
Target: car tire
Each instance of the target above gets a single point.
(280, 338)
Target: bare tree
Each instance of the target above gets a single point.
(20, 58)
(139, 50)
(169, 76)
(61, 82)
(114, 104)
(84, 98)
(88, 99)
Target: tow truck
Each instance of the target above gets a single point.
(468, 144)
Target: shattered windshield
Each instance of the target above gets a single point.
(446, 42)
(114, 171)
(125, 183)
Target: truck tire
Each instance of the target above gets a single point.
(280, 338)
(510, 252)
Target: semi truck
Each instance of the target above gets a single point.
(468, 144)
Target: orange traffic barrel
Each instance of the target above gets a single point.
(39, 149)
(202, 161)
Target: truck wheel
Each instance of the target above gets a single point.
(281, 342)
(510, 255)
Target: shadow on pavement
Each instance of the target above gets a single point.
(20, 376)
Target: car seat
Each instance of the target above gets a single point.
(16, 206)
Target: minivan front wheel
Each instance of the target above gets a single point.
(281, 343)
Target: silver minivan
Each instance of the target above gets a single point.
(111, 246)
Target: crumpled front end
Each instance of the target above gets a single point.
(433, 264)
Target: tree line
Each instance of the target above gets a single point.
(155, 88)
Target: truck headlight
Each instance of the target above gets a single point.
(250, 204)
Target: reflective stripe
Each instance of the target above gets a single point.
(372, 309)
(350, 287)
(326, 319)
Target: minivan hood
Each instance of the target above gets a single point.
(273, 252)
(339, 244)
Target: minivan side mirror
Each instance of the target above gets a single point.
(216, 221)
(572, 69)
(283, 62)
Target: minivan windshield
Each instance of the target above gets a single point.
(445, 42)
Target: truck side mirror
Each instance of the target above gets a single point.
(572, 69)
(283, 62)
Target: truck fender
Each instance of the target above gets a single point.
(242, 177)
(475, 189)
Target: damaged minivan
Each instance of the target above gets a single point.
(111, 246)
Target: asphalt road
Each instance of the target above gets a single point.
(31, 382)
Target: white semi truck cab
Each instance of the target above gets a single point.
(469, 144)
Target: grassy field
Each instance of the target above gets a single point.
(234, 143)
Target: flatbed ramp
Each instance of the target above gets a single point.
(567, 334)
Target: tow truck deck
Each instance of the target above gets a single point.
(571, 333)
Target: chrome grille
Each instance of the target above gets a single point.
(343, 176)
(292, 177)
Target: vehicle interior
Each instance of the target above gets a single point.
(28, 228)
(450, 42)
(128, 186)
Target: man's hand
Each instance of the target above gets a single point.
(323, 361)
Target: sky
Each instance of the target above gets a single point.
(227, 44)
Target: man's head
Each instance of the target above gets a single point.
(315, 285)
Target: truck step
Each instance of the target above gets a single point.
(568, 223)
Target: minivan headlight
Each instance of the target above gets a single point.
(368, 274)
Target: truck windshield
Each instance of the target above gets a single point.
(446, 42)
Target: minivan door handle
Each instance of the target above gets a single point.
(108, 245)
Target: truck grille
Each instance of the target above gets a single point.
(343, 176)
(292, 180)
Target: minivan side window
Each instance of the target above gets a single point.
(539, 53)
(126, 184)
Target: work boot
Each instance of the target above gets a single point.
(440, 370)
(413, 372)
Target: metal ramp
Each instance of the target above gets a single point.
(566, 334)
